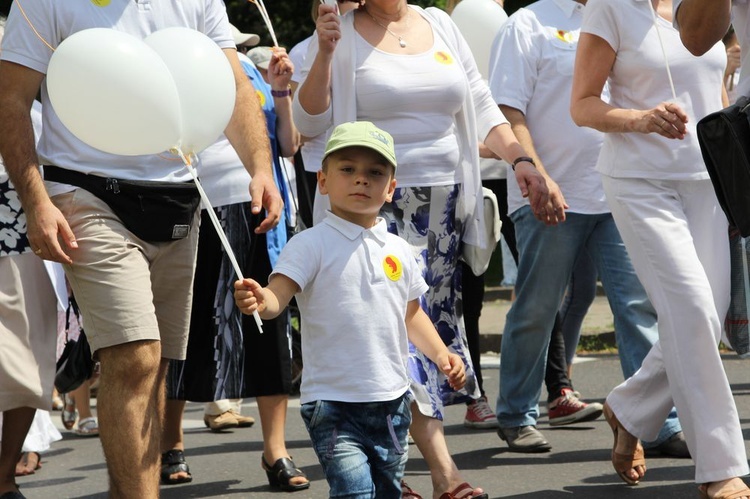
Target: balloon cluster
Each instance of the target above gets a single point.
(173, 90)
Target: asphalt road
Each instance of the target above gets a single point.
(228, 464)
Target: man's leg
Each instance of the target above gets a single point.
(16, 424)
(131, 412)
(546, 258)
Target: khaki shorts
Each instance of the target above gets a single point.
(128, 289)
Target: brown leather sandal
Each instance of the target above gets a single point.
(282, 472)
(735, 494)
(463, 491)
(623, 462)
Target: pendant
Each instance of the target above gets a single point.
(401, 42)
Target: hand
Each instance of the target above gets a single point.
(328, 27)
(46, 227)
(554, 211)
(667, 119)
(280, 69)
(533, 185)
(266, 195)
(734, 55)
(453, 367)
(248, 295)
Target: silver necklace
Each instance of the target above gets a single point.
(401, 41)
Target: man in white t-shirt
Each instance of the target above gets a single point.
(531, 78)
(134, 292)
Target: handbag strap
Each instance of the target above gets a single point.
(663, 49)
(72, 305)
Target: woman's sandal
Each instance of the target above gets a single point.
(463, 491)
(623, 462)
(87, 427)
(282, 472)
(68, 417)
(735, 494)
(28, 463)
(407, 492)
(173, 462)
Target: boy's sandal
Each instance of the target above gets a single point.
(173, 462)
(407, 492)
(87, 427)
(34, 459)
(623, 462)
(463, 491)
(282, 472)
(735, 494)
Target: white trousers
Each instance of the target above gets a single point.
(676, 235)
(221, 406)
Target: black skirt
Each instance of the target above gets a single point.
(227, 357)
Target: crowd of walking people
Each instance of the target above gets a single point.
(379, 132)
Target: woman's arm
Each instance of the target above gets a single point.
(315, 92)
(594, 60)
(280, 70)
(702, 23)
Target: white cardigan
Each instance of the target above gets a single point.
(478, 115)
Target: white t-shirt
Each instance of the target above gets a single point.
(54, 21)
(638, 80)
(355, 285)
(531, 70)
(415, 98)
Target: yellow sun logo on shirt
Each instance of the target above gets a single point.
(101, 3)
(565, 36)
(443, 57)
(393, 268)
(261, 98)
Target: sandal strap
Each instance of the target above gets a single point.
(172, 457)
(462, 491)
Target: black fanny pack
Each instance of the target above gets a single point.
(153, 211)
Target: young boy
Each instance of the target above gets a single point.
(358, 290)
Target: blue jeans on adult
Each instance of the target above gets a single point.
(362, 447)
(547, 256)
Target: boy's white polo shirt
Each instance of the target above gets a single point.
(355, 286)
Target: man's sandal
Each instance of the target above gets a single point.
(173, 462)
(463, 491)
(623, 462)
(734, 494)
(68, 417)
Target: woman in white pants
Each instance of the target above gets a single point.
(667, 213)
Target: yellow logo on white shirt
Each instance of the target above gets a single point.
(101, 3)
(443, 57)
(261, 98)
(566, 36)
(393, 268)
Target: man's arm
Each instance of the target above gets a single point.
(702, 23)
(247, 134)
(18, 87)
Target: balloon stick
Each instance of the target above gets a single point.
(217, 226)
(264, 14)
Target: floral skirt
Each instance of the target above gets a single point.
(426, 218)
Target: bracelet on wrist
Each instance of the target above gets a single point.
(281, 93)
(521, 159)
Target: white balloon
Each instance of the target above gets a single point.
(205, 84)
(479, 21)
(114, 93)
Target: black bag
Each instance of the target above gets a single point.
(75, 365)
(724, 137)
(153, 211)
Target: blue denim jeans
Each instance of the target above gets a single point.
(547, 256)
(362, 447)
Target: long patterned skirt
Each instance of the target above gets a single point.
(426, 218)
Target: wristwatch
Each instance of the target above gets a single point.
(520, 159)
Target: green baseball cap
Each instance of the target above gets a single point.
(361, 134)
